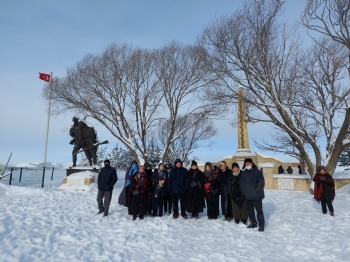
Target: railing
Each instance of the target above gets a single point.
(33, 177)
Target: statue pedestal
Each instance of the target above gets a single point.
(78, 181)
(77, 169)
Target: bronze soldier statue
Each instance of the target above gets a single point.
(90, 138)
(77, 139)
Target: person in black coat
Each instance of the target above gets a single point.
(106, 179)
(289, 170)
(195, 193)
(226, 207)
(149, 173)
(280, 170)
(212, 190)
(159, 180)
(178, 183)
(239, 207)
(138, 192)
(324, 189)
(252, 186)
(168, 202)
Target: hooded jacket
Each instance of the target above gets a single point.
(178, 181)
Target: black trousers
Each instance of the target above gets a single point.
(158, 206)
(257, 204)
(212, 205)
(150, 205)
(168, 203)
(327, 202)
(104, 207)
(182, 198)
(223, 200)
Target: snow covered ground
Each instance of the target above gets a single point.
(47, 225)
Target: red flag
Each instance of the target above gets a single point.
(44, 77)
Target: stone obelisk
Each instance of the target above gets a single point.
(243, 141)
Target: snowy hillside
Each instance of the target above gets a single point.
(47, 225)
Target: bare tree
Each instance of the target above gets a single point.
(118, 89)
(329, 18)
(182, 75)
(195, 136)
(131, 91)
(281, 82)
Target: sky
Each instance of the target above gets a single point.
(50, 36)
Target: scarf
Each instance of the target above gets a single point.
(318, 189)
(133, 171)
(235, 173)
(207, 173)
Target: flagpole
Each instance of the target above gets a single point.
(48, 119)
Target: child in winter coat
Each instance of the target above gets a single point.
(324, 190)
(212, 191)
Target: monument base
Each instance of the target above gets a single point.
(77, 169)
(78, 181)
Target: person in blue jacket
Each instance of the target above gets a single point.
(178, 183)
(252, 186)
(107, 177)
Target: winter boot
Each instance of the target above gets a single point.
(237, 221)
(244, 221)
(252, 225)
(261, 229)
(332, 214)
(175, 216)
(134, 217)
(140, 216)
(99, 212)
(185, 217)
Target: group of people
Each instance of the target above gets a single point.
(289, 170)
(239, 192)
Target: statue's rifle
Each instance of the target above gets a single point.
(91, 147)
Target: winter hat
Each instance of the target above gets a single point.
(215, 172)
(178, 160)
(160, 164)
(147, 165)
(235, 164)
(194, 163)
(322, 167)
(248, 160)
(107, 161)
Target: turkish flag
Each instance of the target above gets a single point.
(44, 77)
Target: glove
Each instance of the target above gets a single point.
(193, 184)
(199, 184)
(323, 178)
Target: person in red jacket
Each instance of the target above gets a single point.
(324, 190)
